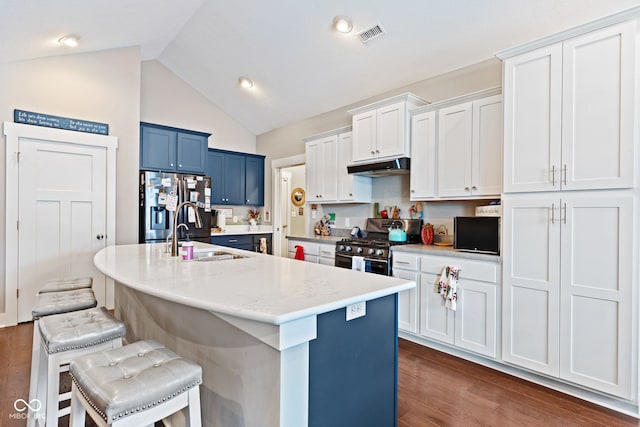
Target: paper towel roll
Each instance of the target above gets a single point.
(221, 219)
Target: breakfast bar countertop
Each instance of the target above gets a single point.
(259, 287)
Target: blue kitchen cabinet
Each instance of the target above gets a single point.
(248, 242)
(227, 172)
(236, 178)
(240, 241)
(254, 184)
(167, 149)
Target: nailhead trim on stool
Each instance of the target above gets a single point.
(137, 377)
(70, 284)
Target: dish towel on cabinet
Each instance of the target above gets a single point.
(299, 253)
(263, 245)
(448, 286)
(357, 263)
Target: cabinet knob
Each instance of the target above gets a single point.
(474, 188)
(373, 152)
(413, 191)
(179, 166)
(350, 194)
(377, 151)
(466, 188)
(100, 236)
(171, 164)
(246, 201)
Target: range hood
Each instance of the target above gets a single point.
(397, 166)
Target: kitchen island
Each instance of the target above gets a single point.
(270, 333)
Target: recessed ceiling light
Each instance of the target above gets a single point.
(69, 41)
(342, 24)
(245, 82)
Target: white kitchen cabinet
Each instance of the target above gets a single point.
(569, 113)
(473, 325)
(381, 129)
(423, 154)
(327, 254)
(405, 266)
(317, 253)
(568, 287)
(321, 160)
(327, 156)
(470, 148)
(351, 188)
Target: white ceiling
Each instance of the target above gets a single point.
(299, 65)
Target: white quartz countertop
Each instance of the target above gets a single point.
(261, 287)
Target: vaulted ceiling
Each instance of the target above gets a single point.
(300, 66)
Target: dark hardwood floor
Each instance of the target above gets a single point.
(434, 389)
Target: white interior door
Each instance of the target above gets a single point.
(60, 210)
(62, 216)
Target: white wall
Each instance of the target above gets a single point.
(166, 99)
(102, 87)
(287, 141)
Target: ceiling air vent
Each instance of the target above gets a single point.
(371, 33)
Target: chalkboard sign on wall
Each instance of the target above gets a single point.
(47, 120)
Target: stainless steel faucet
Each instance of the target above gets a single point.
(170, 236)
(174, 228)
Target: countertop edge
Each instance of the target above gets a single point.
(444, 251)
(316, 239)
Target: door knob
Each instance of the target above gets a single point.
(100, 236)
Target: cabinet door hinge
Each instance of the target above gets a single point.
(17, 225)
(17, 157)
(17, 293)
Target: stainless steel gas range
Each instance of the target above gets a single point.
(374, 247)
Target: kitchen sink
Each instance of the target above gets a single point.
(212, 255)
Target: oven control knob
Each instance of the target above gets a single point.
(341, 248)
(371, 251)
(360, 250)
(349, 249)
(379, 252)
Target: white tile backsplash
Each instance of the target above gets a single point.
(394, 191)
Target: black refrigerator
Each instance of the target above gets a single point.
(156, 190)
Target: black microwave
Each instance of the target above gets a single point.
(477, 234)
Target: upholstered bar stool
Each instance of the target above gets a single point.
(70, 284)
(135, 385)
(47, 304)
(64, 337)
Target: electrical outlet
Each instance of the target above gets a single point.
(356, 310)
(347, 222)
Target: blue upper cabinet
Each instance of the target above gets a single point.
(157, 149)
(254, 185)
(236, 178)
(168, 149)
(192, 153)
